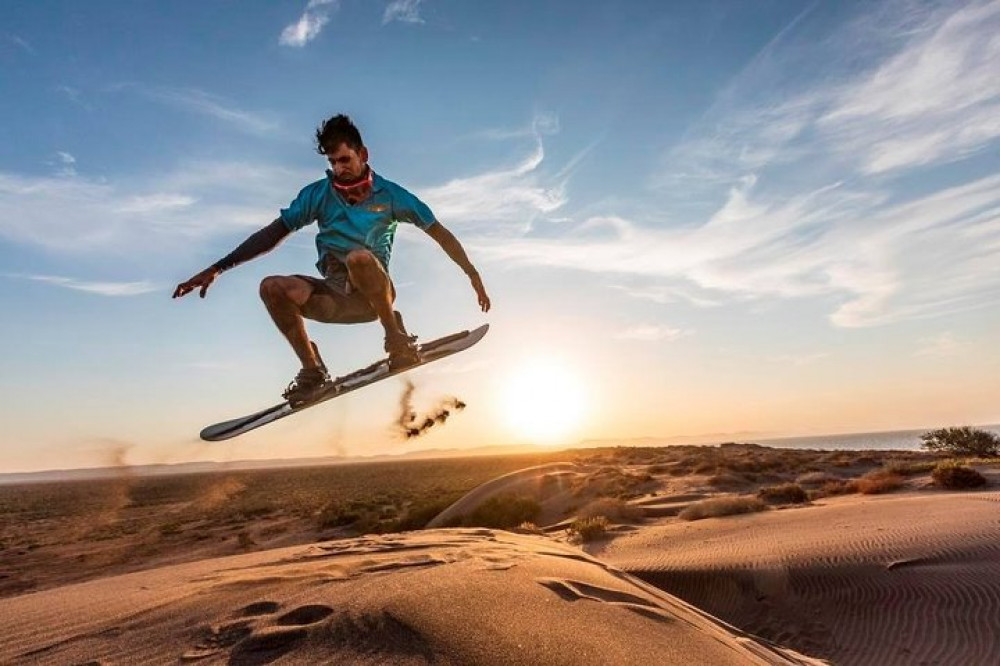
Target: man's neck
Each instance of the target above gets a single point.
(358, 190)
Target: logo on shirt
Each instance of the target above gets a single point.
(378, 208)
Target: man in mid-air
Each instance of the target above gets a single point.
(357, 211)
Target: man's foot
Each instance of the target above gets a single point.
(309, 384)
(402, 347)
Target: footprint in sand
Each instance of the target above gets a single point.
(216, 639)
(304, 615)
(572, 590)
(260, 608)
(259, 645)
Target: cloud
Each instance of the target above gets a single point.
(405, 11)
(651, 333)
(504, 201)
(928, 256)
(310, 24)
(803, 172)
(937, 99)
(66, 163)
(166, 210)
(22, 43)
(207, 104)
(99, 288)
(663, 294)
(943, 345)
(800, 359)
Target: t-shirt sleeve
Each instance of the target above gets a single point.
(301, 211)
(408, 208)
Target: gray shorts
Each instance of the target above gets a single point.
(335, 300)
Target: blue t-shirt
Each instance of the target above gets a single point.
(370, 224)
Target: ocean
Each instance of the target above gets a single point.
(905, 440)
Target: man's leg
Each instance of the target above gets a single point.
(371, 280)
(284, 296)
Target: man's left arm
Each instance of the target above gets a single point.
(454, 249)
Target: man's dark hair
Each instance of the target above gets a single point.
(335, 131)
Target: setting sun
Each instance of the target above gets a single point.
(543, 401)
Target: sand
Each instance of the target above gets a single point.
(910, 577)
(463, 596)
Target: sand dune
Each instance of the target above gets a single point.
(470, 596)
(909, 579)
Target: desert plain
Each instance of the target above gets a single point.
(727, 554)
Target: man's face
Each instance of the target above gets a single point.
(348, 164)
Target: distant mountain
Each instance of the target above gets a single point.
(207, 466)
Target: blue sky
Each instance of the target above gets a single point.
(772, 218)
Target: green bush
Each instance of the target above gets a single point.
(954, 476)
(963, 441)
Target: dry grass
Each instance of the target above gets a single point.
(589, 529)
(879, 481)
(816, 478)
(613, 509)
(717, 507)
(786, 493)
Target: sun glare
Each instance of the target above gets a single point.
(543, 401)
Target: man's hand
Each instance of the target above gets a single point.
(202, 280)
(477, 284)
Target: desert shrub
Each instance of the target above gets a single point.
(589, 529)
(839, 487)
(418, 515)
(615, 509)
(529, 528)
(722, 506)
(815, 478)
(786, 493)
(726, 480)
(909, 468)
(954, 476)
(878, 481)
(502, 512)
(963, 441)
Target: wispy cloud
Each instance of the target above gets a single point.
(99, 288)
(66, 164)
(805, 179)
(405, 11)
(316, 15)
(943, 345)
(541, 124)
(207, 104)
(800, 359)
(80, 215)
(504, 201)
(663, 294)
(651, 333)
(22, 44)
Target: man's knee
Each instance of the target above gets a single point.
(361, 260)
(281, 288)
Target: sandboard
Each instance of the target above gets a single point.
(429, 352)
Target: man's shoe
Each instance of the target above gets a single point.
(308, 385)
(402, 351)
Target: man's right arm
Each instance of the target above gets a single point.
(258, 243)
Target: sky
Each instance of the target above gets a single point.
(694, 218)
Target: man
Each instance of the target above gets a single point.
(357, 211)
